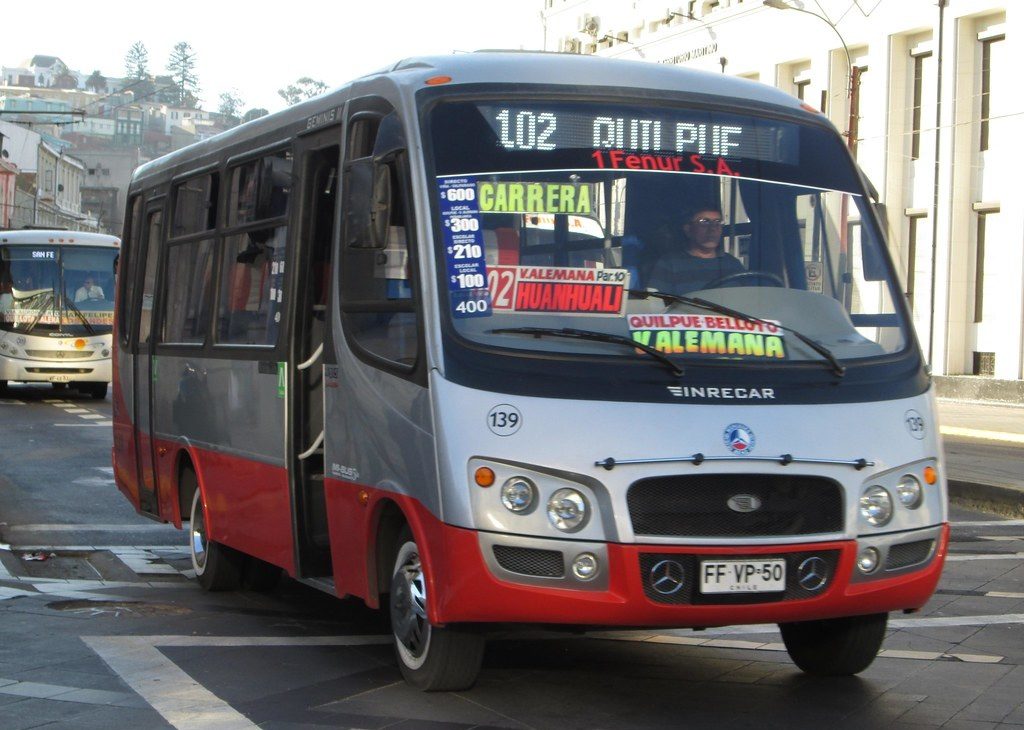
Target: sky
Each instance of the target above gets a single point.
(254, 48)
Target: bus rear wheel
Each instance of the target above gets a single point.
(217, 567)
(835, 647)
(431, 658)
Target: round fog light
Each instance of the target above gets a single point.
(517, 494)
(908, 491)
(867, 561)
(876, 506)
(584, 566)
(567, 510)
(105, 353)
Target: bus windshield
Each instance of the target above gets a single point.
(57, 290)
(709, 236)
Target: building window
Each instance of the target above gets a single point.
(986, 86)
(915, 113)
(983, 211)
(914, 222)
(801, 88)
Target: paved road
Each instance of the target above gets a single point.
(112, 632)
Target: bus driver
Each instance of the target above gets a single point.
(89, 291)
(700, 261)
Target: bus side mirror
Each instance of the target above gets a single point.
(367, 203)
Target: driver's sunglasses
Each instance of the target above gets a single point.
(708, 222)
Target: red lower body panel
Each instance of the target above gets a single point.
(248, 506)
(463, 589)
(471, 594)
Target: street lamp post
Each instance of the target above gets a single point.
(853, 72)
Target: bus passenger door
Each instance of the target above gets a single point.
(318, 156)
(143, 375)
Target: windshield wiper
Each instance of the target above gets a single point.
(78, 312)
(576, 334)
(47, 303)
(837, 367)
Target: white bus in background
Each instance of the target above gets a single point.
(57, 308)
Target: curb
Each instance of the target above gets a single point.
(1003, 499)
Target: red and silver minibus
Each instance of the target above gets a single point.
(433, 340)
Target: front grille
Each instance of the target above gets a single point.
(698, 506)
(60, 354)
(690, 593)
(59, 371)
(530, 561)
(908, 553)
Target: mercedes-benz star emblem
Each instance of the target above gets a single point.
(667, 577)
(812, 573)
(744, 503)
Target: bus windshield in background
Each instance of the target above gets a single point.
(61, 290)
(571, 215)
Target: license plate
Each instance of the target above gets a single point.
(742, 576)
(60, 378)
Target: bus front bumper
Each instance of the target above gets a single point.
(13, 369)
(659, 585)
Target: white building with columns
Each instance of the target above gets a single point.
(934, 118)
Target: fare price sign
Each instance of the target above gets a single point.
(464, 247)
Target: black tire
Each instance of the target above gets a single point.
(217, 567)
(835, 647)
(431, 658)
(259, 575)
(98, 391)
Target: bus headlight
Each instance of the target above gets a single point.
(908, 491)
(518, 494)
(876, 506)
(567, 510)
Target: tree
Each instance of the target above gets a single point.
(304, 88)
(254, 114)
(63, 78)
(230, 104)
(182, 67)
(136, 62)
(96, 81)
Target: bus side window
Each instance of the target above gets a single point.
(377, 274)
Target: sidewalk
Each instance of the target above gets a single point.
(984, 445)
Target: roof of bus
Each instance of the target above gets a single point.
(538, 67)
(507, 67)
(37, 237)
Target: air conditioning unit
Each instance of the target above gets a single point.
(571, 45)
(590, 24)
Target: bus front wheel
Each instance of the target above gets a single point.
(835, 647)
(218, 567)
(98, 391)
(431, 658)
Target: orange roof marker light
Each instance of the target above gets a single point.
(438, 80)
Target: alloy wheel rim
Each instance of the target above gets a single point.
(409, 612)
